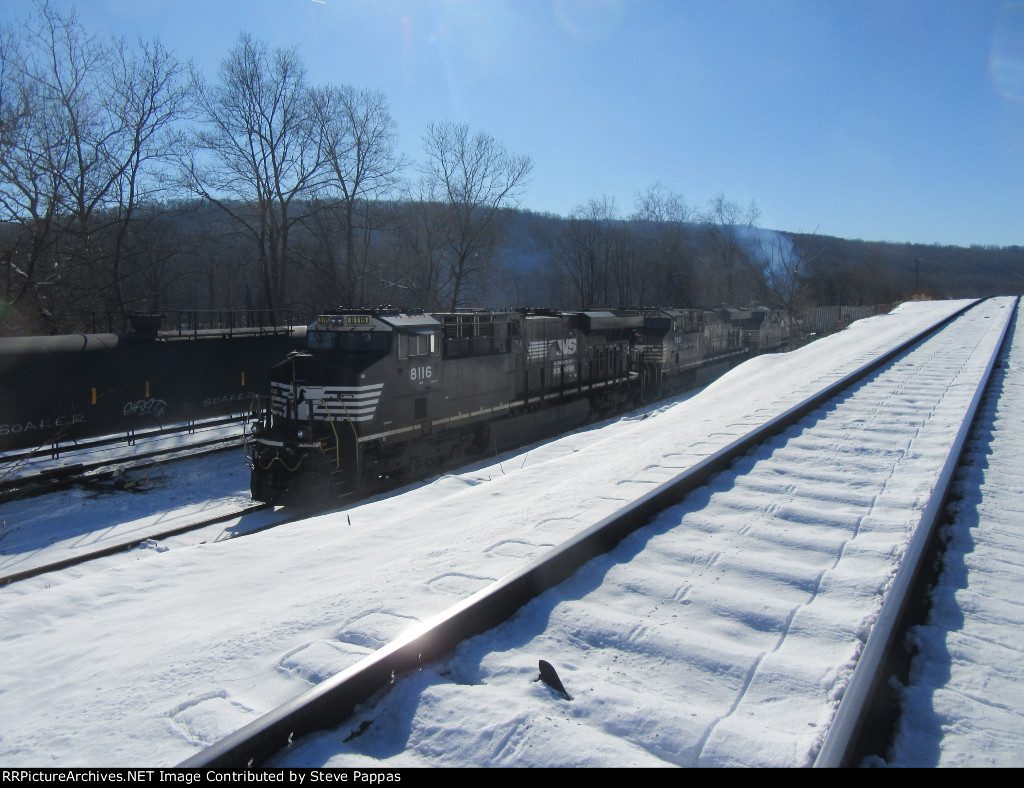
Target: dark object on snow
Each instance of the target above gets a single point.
(363, 726)
(550, 677)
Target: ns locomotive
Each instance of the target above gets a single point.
(379, 397)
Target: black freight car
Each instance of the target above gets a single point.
(62, 389)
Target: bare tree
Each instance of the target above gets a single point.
(163, 260)
(28, 199)
(657, 205)
(69, 69)
(784, 265)
(725, 227)
(422, 236)
(357, 135)
(257, 155)
(150, 97)
(581, 256)
(663, 221)
(82, 121)
(625, 271)
(35, 158)
(596, 254)
(475, 177)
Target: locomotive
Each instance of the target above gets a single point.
(381, 396)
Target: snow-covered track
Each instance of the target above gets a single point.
(331, 701)
(129, 544)
(38, 471)
(843, 744)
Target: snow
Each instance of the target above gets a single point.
(965, 700)
(112, 450)
(153, 654)
(86, 519)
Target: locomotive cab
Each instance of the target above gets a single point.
(305, 444)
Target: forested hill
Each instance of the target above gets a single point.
(858, 267)
(195, 255)
(551, 255)
(254, 189)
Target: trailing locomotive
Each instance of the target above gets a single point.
(378, 397)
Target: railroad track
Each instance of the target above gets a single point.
(119, 474)
(331, 702)
(129, 544)
(121, 462)
(37, 471)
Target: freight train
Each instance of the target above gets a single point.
(379, 397)
(58, 391)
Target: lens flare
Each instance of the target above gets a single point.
(590, 20)
(1006, 62)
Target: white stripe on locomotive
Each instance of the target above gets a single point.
(330, 403)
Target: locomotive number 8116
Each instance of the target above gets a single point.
(378, 397)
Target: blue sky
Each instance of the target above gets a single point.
(898, 120)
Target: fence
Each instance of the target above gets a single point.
(190, 322)
(826, 319)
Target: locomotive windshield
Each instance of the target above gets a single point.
(320, 340)
(350, 341)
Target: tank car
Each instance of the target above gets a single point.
(381, 396)
(56, 391)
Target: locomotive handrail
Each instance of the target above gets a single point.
(337, 440)
(352, 424)
(193, 322)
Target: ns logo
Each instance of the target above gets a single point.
(566, 347)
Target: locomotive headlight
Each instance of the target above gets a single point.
(255, 428)
(301, 434)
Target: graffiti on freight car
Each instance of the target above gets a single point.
(145, 407)
(42, 425)
(227, 399)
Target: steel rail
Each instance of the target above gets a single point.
(289, 516)
(62, 477)
(332, 701)
(841, 745)
(129, 544)
(55, 449)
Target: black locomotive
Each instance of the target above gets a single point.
(378, 397)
